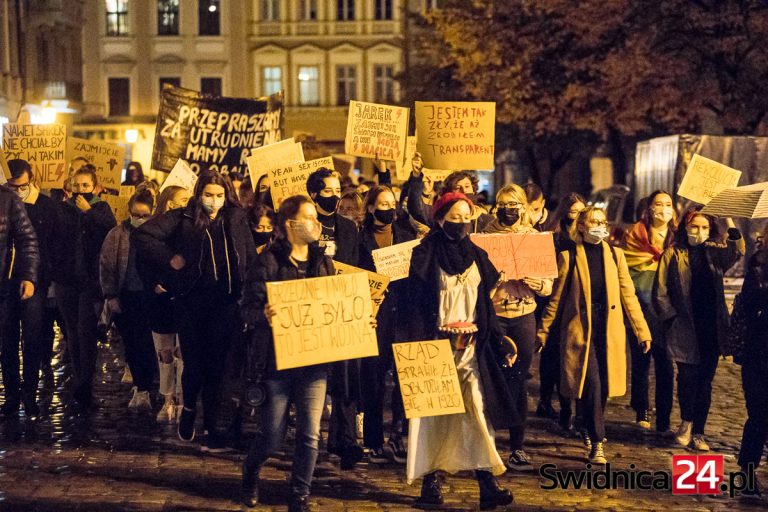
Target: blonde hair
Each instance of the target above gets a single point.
(584, 215)
(518, 194)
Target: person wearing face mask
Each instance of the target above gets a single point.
(261, 220)
(643, 246)
(294, 254)
(593, 275)
(383, 226)
(536, 209)
(465, 182)
(204, 256)
(449, 289)
(128, 299)
(689, 299)
(515, 304)
(22, 293)
(84, 221)
(560, 224)
(340, 240)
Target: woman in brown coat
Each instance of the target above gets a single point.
(593, 339)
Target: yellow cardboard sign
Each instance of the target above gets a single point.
(429, 383)
(5, 172)
(377, 282)
(291, 180)
(271, 156)
(181, 175)
(394, 261)
(706, 178)
(43, 146)
(376, 131)
(322, 320)
(127, 190)
(456, 135)
(106, 157)
(119, 205)
(404, 167)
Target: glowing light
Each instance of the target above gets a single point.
(131, 135)
(303, 76)
(212, 8)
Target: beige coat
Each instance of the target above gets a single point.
(576, 319)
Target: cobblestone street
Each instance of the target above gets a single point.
(119, 460)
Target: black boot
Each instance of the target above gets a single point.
(491, 495)
(250, 489)
(431, 493)
(298, 504)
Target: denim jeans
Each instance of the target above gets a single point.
(305, 388)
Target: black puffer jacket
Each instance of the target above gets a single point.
(274, 264)
(174, 232)
(44, 215)
(17, 234)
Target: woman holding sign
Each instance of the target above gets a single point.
(690, 301)
(382, 228)
(294, 254)
(594, 291)
(450, 285)
(515, 304)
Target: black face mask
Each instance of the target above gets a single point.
(86, 195)
(508, 216)
(262, 237)
(456, 230)
(384, 216)
(328, 203)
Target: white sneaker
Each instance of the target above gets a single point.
(359, 425)
(127, 376)
(683, 434)
(140, 400)
(167, 412)
(699, 444)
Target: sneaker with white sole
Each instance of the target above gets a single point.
(699, 443)
(378, 456)
(643, 420)
(140, 400)
(683, 434)
(518, 461)
(597, 454)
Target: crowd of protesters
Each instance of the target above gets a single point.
(182, 280)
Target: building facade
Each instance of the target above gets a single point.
(322, 53)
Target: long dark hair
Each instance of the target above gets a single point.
(289, 208)
(645, 217)
(202, 219)
(557, 221)
(370, 200)
(129, 180)
(681, 235)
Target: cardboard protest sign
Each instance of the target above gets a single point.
(456, 135)
(436, 174)
(377, 282)
(428, 379)
(344, 164)
(706, 178)
(291, 180)
(520, 255)
(106, 157)
(321, 320)
(5, 172)
(119, 205)
(285, 152)
(394, 261)
(375, 130)
(43, 146)
(750, 202)
(212, 132)
(126, 190)
(181, 175)
(404, 167)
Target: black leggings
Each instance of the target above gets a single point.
(133, 325)
(522, 330)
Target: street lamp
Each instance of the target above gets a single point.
(131, 135)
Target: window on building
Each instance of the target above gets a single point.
(272, 78)
(119, 97)
(309, 85)
(210, 85)
(209, 17)
(170, 80)
(117, 17)
(167, 17)
(383, 9)
(384, 83)
(345, 10)
(308, 10)
(270, 10)
(346, 84)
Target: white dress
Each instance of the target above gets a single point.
(456, 442)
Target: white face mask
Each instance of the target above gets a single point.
(536, 217)
(305, 231)
(212, 204)
(596, 235)
(23, 192)
(664, 214)
(697, 239)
